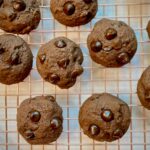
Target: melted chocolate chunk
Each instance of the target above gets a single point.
(88, 1)
(60, 44)
(54, 78)
(69, 8)
(96, 46)
(63, 63)
(94, 130)
(1, 1)
(42, 58)
(15, 60)
(75, 73)
(29, 134)
(2, 50)
(123, 58)
(35, 116)
(55, 123)
(117, 133)
(19, 5)
(12, 16)
(110, 34)
(107, 115)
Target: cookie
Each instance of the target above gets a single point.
(143, 88)
(15, 59)
(112, 43)
(59, 62)
(39, 120)
(74, 12)
(104, 117)
(19, 16)
(148, 29)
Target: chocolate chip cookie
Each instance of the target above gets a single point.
(112, 43)
(148, 29)
(19, 16)
(104, 117)
(15, 59)
(39, 120)
(143, 88)
(74, 12)
(59, 62)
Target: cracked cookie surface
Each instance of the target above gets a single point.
(59, 62)
(39, 120)
(112, 43)
(19, 16)
(15, 59)
(74, 12)
(104, 117)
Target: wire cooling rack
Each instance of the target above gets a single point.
(95, 79)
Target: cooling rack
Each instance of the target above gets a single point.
(121, 82)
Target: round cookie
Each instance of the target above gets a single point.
(143, 88)
(104, 117)
(112, 43)
(39, 120)
(15, 59)
(59, 62)
(19, 16)
(148, 29)
(74, 12)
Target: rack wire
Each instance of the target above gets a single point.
(121, 82)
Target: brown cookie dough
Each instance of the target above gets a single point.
(74, 12)
(39, 120)
(19, 16)
(104, 117)
(15, 59)
(112, 43)
(148, 29)
(143, 88)
(59, 62)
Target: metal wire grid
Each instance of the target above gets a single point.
(118, 81)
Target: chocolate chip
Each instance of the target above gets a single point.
(88, 1)
(69, 8)
(12, 16)
(15, 60)
(2, 50)
(42, 58)
(123, 58)
(63, 63)
(110, 34)
(54, 78)
(107, 49)
(94, 130)
(75, 73)
(55, 123)
(107, 115)
(29, 134)
(96, 46)
(35, 116)
(60, 44)
(1, 1)
(117, 133)
(51, 98)
(19, 5)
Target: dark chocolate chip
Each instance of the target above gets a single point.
(54, 78)
(29, 134)
(123, 58)
(75, 73)
(1, 1)
(94, 130)
(89, 15)
(42, 58)
(15, 60)
(107, 115)
(19, 5)
(88, 1)
(118, 133)
(2, 50)
(35, 116)
(69, 8)
(55, 123)
(96, 46)
(60, 44)
(110, 34)
(12, 16)
(63, 63)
